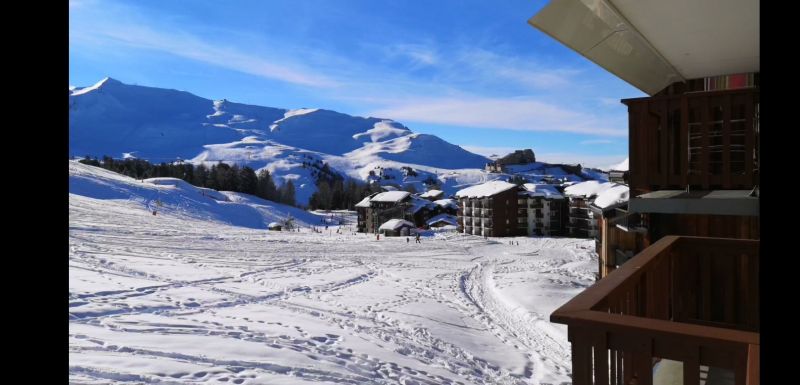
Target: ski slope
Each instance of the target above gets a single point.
(191, 296)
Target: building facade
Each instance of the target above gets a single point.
(541, 210)
(690, 294)
(488, 210)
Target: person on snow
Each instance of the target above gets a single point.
(418, 241)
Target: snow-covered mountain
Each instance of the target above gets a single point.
(163, 125)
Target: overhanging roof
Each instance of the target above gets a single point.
(717, 202)
(652, 43)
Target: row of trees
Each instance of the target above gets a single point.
(220, 176)
(340, 195)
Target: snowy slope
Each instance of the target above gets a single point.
(173, 197)
(112, 118)
(160, 125)
(184, 298)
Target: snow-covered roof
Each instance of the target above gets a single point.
(394, 224)
(447, 203)
(389, 188)
(431, 194)
(419, 203)
(364, 202)
(619, 193)
(273, 224)
(541, 190)
(450, 219)
(486, 189)
(391, 196)
(587, 189)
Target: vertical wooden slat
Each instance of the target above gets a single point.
(643, 363)
(601, 359)
(613, 353)
(705, 157)
(705, 282)
(684, 135)
(665, 140)
(749, 138)
(741, 366)
(727, 106)
(581, 357)
(753, 365)
(627, 366)
(691, 367)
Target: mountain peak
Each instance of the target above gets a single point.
(104, 83)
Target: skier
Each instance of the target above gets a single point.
(407, 240)
(418, 241)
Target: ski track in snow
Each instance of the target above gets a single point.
(174, 300)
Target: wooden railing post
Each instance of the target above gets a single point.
(753, 365)
(581, 356)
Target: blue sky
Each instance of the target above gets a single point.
(472, 72)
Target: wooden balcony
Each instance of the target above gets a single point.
(690, 300)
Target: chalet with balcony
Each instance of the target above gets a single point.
(378, 208)
(619, 234)
(582, 222)
(686, 306)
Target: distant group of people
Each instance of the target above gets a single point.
(416, 239)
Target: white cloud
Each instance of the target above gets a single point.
(418, 53)
(520, 71)
(507, 113)
(107, 27)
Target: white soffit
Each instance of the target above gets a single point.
(651, 44)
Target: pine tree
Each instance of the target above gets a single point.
(287, 193)
(266, 187)
(248, 181)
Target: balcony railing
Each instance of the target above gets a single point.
(583, 223)
(687, 299)
(579, 204)
(579, 213)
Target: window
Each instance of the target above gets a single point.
(674, 125)
(715, 142)
(695, 139)
(737, 138)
